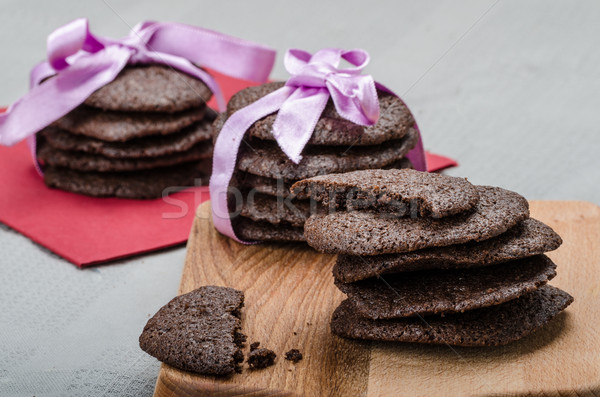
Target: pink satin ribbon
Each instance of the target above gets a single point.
(84, 62)
(315, 79)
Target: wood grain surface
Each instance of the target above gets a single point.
(290, 297)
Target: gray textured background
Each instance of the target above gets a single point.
(508, 88)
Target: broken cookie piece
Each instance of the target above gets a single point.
(397, 191)
(198, 331)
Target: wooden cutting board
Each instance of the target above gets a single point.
(290, 297)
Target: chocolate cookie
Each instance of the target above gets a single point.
(280, 187)
(445, 291)
(198, 331)
(394, 120)
(528, 238)
(265, 158)
(151, 146)
(400, 164)
(490, 326)
(269, 186)
(146, 184)
(151, 88)
(276, 210)
(374, 233)
(123, 126)
(95, 162)
(406, 192)
(250, 230)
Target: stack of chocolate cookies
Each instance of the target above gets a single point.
(265, 210)
(147, 130)
(430, 258)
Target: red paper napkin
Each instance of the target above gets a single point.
(86, 230)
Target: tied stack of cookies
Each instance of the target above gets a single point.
(264, 173)
(147, 130)
(430, 258)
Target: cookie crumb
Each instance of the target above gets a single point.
(293, 355)
(254, 346)
(261, 358)
(239, 338)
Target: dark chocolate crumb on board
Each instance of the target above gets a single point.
(261, 358)
(254, 346)
(293, 355)
(240, 339)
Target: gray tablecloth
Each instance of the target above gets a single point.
(510, 89)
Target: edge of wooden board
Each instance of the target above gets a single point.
(571, 217)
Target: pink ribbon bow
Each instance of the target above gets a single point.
(84, 62)
(315, 79)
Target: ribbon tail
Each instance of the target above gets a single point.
(226, 54)
(39, 72)
(226, 150)
(47, 102)
(297, 119)
(32, 145)
(417, 154)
